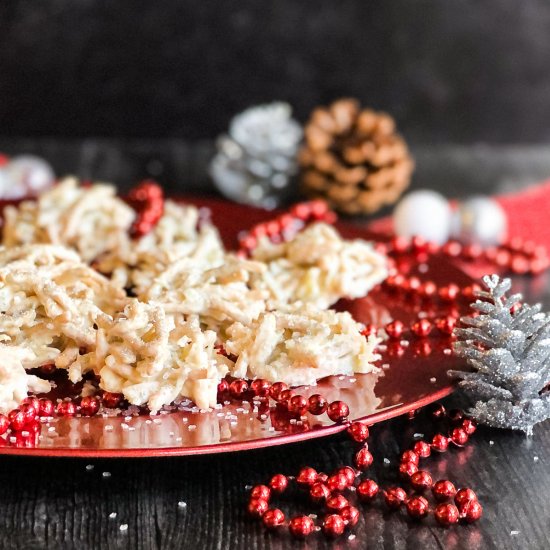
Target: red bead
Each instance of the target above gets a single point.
(257, 507)
(400, 245)
(422, 449)
(17, 419)
(65, 408)
(463, 496)
(417, 507)
(410, 456)
(278, 483)
(440, 443)
(298, 404)
(238, 388)
(407, 469)
(47, 370)
(260, 387)
(437, 410)
(276, 389)
(471, 511)
(419, 244)
(443, 490)
(413, 285)
(319, 493)
(449, 293)
(446, 514)
(519, 264)
(446, 325)
(337, 482)
(395, 497)
(46, 407)
(263, 492)
(350, 515)
(223, 387)
(469, 426)
(427, 289)
(421, 328)
(337, 502)
(358, 431)
(459, 437)
(111, 400)
(89, 406)
(452, 248)
(285, 396)
(317, 404)
(301, 527)
(363, 459)
(301, 210)
(338, 411)
(472, 251)
(470, 292)
(369, 330)
(29, 412)
(367, 490)
(273, 518)
(395, 329)
(34, 402)
(421, 481)
(350, 474)
(4, 424)
(333, 525)
(306, 477)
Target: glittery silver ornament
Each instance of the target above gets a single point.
(25, 176)
(256, 160)
(479, 220)
(508, 346)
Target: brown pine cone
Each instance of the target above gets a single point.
(354, 158)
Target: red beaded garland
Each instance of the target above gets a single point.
(422, 449)
(298, 404)
(407, 469)
(421, 328)
(363, 458)
(417, 507)
(443, 490)
(421, 480)
(317, 404)
(257, 507)
(440, 443)
(337, 502)
(17, 419)
(29, 412)
(301, 526)
(238, 388)
(260, 387)
(471, 511)
(111, 400)
(349, 474)
(338, 411)
(358, 431)
(410, 456)
(395, 329)
(262, 492)
(469, 426)
(89, 406)
(276, 389)
(367, 490)
(333, 525)
(337, 482)
(65, 408)
(459, 437)
(4, 424)
(463, 496)
(395, 497)
(306, 477)
(319, 492)
(46, 407)
(350, 515)
(273, 518)
(446, 514)
(446, 325)
(278, 483)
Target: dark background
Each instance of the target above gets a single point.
(458, 71)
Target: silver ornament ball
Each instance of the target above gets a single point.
(479, 220)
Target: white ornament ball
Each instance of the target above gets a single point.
(479, 220)
(27, 176)
(425, 214)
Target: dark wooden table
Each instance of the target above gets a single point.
(69, 503)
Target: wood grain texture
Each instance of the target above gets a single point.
(60, 504)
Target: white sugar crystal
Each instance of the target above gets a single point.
(90, 467)
(124, 527)
(106, 474)
(182, 504)
(535, 459)
(433, 379)
(514, 533)
(112, 515)
(108, 428)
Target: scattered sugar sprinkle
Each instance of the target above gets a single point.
(191, 427)
(491, 442)
(433, 379)
(112, 515)
(514, 533)
(182, 504)
(108, 428)
(90, 467)
(351, 537)
(124, 527)
(106, 474)
(448, 351)
(418, 436)
(387, 461)
(535, 459)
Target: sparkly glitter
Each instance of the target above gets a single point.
(508, 348)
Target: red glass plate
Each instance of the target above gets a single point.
(411, 376)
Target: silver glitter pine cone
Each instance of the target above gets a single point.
(508, 347)
(256, 160)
